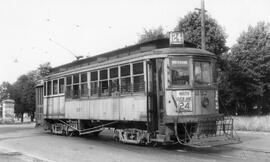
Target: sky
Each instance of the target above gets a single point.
(33, 32)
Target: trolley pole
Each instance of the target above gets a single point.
(202, 25)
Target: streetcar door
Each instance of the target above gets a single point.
(39, 105)
(155, 96)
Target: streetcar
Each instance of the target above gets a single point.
(158, 92)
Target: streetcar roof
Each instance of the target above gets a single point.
(160, 46)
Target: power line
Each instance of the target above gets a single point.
(60, 45)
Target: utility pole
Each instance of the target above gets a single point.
(202, 24)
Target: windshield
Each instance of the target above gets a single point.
(202, 73)
(180, 71)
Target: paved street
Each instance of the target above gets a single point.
(26, 143)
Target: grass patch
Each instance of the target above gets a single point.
(253, 123)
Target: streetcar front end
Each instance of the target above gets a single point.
(191, 101)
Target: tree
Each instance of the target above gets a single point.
(251, 71)
(25, 95)
(43, 69)
(151, 34)
(24, 90)
(214, 33)
(5, 90)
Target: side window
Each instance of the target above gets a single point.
(68, 87)
(103, 82)
(114, 81)
(138, 77)
(45, 89)
(84, 89)
(125, 79)
(55, 87)
(49, 88)
(94, 83)
(61, 85)
(76, 86)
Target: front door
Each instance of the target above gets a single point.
(155, 110)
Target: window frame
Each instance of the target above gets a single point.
(129, 89)
(85, 95)
(114, 90)
(96, 94)
(138, 75)
(101, 93)
(64, 85)
(55, 91)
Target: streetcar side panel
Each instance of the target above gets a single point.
(132, 108)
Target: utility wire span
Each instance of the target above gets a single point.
(60, 45)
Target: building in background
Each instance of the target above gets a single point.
(7, 111)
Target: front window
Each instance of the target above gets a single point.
(202, 73)
(180, 71)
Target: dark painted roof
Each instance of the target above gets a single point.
(129, 50)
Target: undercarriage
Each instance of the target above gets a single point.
(194, 134)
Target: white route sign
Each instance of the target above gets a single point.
(183, 101)
(176, 38)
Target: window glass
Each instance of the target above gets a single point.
(55, 86)
(138, 83)
(94, 76)
(94, 84)
(61, 85)
(75, 91)
(180, 71)
(104, 88)
(202, 73)
(138, 68)
(45, 86)
(114, 85)
(69, 81)
(103, 74)
(75, 78)
(49, 89)
(94, 88)
(84, 90)
(68, 92)
(125, 70)
(84, 77)
(125, 85)
(114, 72)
